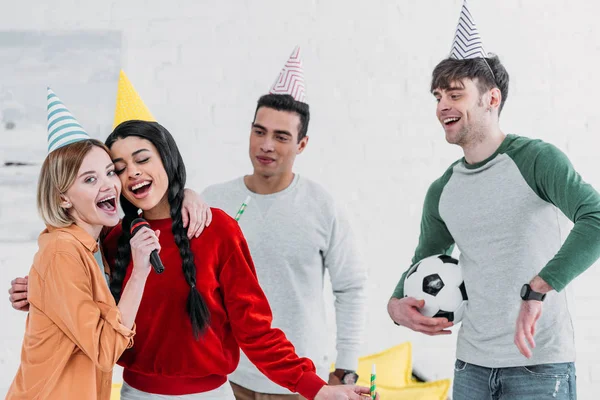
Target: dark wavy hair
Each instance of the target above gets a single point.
(449, 71)
(175, 169)
(285, 102)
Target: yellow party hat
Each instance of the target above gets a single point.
(129, 103)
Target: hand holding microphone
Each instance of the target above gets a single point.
(145, 246)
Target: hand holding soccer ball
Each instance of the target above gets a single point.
(435, 297)
(438, 280)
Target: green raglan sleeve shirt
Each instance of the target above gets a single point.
(550, 174)
(435, 237)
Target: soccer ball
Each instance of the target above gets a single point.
(438, 280)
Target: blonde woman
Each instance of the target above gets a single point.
(75, 331)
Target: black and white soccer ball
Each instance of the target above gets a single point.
(438, 280)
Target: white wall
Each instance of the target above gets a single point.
(201, 65)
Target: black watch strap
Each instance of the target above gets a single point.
(529, 294)
(347, 377)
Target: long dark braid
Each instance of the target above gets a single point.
(196, 306)
(175, 169)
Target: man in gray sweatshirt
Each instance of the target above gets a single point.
(295, 231)
(500, 205)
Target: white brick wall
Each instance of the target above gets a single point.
(200, 67)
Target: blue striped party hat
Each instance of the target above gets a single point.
(63, 128)
(467, 41)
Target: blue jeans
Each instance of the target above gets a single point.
(533, 382)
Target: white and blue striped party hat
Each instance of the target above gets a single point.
(467, 41)
(63, 128)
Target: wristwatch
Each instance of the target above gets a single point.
(528, 294)
(346, 376)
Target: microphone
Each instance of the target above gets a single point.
(138, 224)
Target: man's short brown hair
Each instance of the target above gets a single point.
(450, 71)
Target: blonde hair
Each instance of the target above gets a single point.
(57, 175)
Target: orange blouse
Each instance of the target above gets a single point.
(73, 336)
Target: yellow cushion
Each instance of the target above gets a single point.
(436, 390)
(115, 393)
(393, 367)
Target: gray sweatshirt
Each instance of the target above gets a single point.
(293, 236)
(503, 214)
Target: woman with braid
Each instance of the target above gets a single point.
(207, 304)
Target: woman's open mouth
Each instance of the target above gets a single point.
(108, 204)
(141, 189)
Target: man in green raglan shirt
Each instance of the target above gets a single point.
(500, 205)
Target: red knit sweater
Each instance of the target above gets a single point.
(165, 357)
